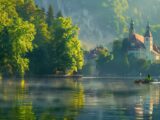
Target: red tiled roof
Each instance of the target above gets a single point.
(137, 40)
(139, 37)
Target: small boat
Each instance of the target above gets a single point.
(142, 81)
(155, 81)
(138, 81)
(146, 80)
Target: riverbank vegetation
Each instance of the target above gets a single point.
(35, 42)
(101, 61)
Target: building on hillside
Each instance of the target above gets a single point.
(143, 47)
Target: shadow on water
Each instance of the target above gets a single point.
(71, 99)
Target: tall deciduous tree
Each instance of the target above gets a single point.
(39, 56)
(68, 55)
(103, 57)
(16, 40)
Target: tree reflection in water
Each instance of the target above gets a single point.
(68, 105)
(18, 101)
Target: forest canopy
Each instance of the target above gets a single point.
(37, 42)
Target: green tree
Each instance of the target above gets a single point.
(66, 47)
(39, 59)
(16, 40)
(103, 58)
(138, 65)
(59, 14)
(120, 7)
(32, 13)
(50, 16)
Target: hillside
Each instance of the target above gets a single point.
(101, 21)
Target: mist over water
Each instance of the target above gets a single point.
(78, 99)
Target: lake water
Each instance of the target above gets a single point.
(83, 99)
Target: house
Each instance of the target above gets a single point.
(143, 47)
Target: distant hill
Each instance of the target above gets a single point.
(101, 21)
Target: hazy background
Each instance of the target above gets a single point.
(102, 21)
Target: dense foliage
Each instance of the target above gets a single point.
(16, 36)
(29, 35)
(68, 56)
(118, 62)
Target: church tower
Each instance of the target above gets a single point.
(148, 38)
(131, 29)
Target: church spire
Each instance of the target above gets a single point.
(131, 29)
(148, 31)
(148, 38)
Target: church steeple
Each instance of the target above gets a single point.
(148, 38)
(148, 31)
(131, 29)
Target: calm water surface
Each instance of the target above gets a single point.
(84, 99)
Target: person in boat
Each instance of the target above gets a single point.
(149, 78)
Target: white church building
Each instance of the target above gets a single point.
(143, 47)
